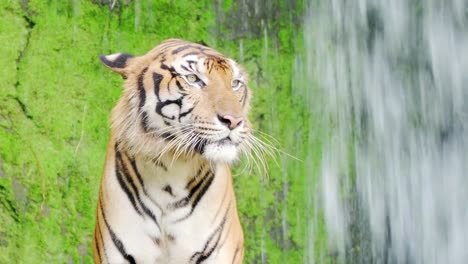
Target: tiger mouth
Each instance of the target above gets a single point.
(227, 141)
(201, 143)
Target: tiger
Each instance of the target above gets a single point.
(166, 194)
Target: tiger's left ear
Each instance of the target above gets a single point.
(117, 62)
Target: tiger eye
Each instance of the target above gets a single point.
(192, 78)
(235, 84)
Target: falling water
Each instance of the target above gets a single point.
(394, 172)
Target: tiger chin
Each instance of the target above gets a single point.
(166, 195)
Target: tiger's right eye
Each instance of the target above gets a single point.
(192, 78)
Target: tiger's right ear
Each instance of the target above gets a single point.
(117, 62)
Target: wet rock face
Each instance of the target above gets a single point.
(256, 18)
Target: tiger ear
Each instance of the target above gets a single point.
(117, 62)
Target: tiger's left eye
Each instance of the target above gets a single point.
(236, 84)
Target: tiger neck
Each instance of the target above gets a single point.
(167, 172)
(179, 182)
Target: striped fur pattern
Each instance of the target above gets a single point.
(166, 194)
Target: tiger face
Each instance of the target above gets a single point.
(182, 98)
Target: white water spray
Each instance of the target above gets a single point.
(394, 75)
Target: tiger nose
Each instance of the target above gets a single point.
(230, 121)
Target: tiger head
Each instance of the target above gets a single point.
(181, 98)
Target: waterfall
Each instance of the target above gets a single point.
(394, 169)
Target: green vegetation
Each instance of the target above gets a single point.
(55, 101)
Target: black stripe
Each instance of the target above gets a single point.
(100, 231)
(144, 121)
(121, 181)
(150, 214)
(228, 231)
(209, 65)
(185, 113)
(182, 48)
(198, 184)
(129, 179)
(171, 69)
(235, 254)
(222, 202)
(157, 78)
(169, 44)
(202, 133)
(96, 241)
(180, 86)
(209, 128)
(159, 163)
(191, 53)
(200, 257)
(167, 136)
(197, 193)
(184, 201)
(137, 173)
(142, 98)
(185, 68)
(141, 88)
(244, 98)
(117, 242)
(206, 186)
(140, 179)
(160, 105)
(200, 145)
(168, 189)
(193, 179)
